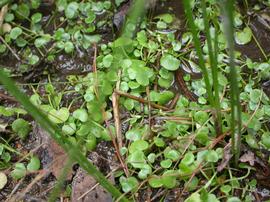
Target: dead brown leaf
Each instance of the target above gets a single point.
(85, 189)
(248, 157)
(51, 154)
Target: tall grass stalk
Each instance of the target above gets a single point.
(212, 98)
(73, 151)
(213, 55)
(228, 10)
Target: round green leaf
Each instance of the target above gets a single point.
(36, 17)
(169, 62)
(188, 159)
(166, 163)
(255, 95)
(155, 182)
(91, 142)
(201, 117)
(234, 199)
(211, 156)
(58, 116)
(80, 114)
(243, 37)
(23, 11)
(21, 127)
(138, 145)
(69, 47)
(173, 155)
(133, 134)
(15, 32)
(226, 189)
(19, 171)
(71, 10)
(69, 129)
(33, 59)
(128, 184)
(34, 164)
(107, 60)
(266, 140)
(151, 157)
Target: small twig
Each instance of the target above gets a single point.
(124, 166)
(149, 112)
(141, 100)
(174, 101)
(11, 50)
(6, 97)
(94, 66)
(158, 194)
(116, 115)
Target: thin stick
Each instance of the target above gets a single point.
(149, 113)
(117, 121)
(174, 101)
(124, 166)
(116, 114)
(11, 50)
(6, 97)
(141, 100)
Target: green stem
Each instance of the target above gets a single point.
(228, 9)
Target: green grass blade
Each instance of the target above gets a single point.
(55, 133)
(214, 66)
(228, 9)
(197, 45)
